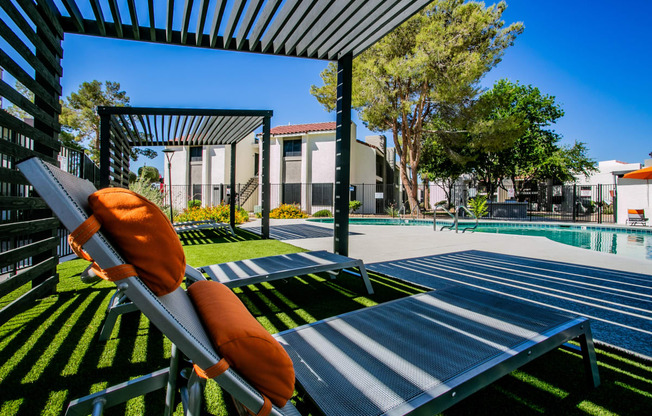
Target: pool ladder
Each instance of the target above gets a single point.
(455, 218)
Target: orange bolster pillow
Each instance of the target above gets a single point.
(243, 342)
(143, 235)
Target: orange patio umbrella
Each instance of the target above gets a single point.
(645, 173)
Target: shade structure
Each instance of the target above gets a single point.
(645, 173)
(320, 29)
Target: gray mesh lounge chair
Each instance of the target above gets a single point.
(417, 355)
(188, 226)
(247, 272)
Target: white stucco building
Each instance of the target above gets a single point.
(605, 173)
(302, 170)
(634, 194)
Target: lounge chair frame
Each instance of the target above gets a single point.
(174, 316)
(637, 217)
(188, 226)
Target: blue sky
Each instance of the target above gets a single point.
(593, 56)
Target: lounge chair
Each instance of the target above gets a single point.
(418, 354)
(247, 272)
(188, 226)
(636, 217)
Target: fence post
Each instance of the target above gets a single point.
(574, 203)
(599, 204)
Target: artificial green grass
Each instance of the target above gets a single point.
(50, 354)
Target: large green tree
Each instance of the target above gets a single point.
(428, 66)
(79, 119)
(535, 153)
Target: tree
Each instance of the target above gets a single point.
(80, 122)
(534, 154)
(16, 111)
(429, 65)
(149, 174)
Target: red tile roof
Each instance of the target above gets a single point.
(303, 128)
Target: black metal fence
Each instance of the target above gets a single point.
(79, 164)
(540, 202)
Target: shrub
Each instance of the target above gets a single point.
(478, 206)
(287, 211)
(392, 211)
(194, 203)
(354, 206)
(218, 213)
(323, 213)
(148, 190)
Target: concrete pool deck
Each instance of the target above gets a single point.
(613, 290)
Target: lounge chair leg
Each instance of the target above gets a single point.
(195, 391)
(98, 406)
(112, 317)
(365, 277)
(589, 358)
(171, 389)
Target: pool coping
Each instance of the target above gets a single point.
(415, 222)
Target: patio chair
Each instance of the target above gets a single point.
(636, 217)
(419, 354)
(188, 226)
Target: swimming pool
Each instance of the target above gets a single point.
(630, 242)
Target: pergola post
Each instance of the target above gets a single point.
(264, 193)
(343, 155)
(232, 198)
(105, 148)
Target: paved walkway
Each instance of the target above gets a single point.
(614, 291)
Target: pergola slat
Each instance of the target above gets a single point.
(278, 23)
(53, 15)
(117, 20)
(97, 11)
(134, 18)
(340, 18)
(361, 17)
(152, 22)
(238, 7)
(292, 24)
(263, 21)
(373, 35)
(306, 26)
(168, 26)
(201, 21)
(217, 18)
(176, 128)
(75, 14)
(185, 21)
(247, 22)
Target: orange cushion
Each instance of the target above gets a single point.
(243, 342)
(635, 211)
(143, 235)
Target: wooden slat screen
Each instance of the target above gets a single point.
(30, 55)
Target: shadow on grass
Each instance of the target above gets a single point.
(50, 354)
(201, 237)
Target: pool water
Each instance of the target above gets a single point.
(636, 245)
(630, 242)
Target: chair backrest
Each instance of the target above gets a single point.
(636, 214)
(173, 314)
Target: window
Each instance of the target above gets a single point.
(292, 148)
(195, 154)
(322, 194)
(292, 193)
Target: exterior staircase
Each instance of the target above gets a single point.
(248, 189)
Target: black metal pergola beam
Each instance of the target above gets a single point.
(342, 155)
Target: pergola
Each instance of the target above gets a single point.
(33, 30)
(122, 128)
